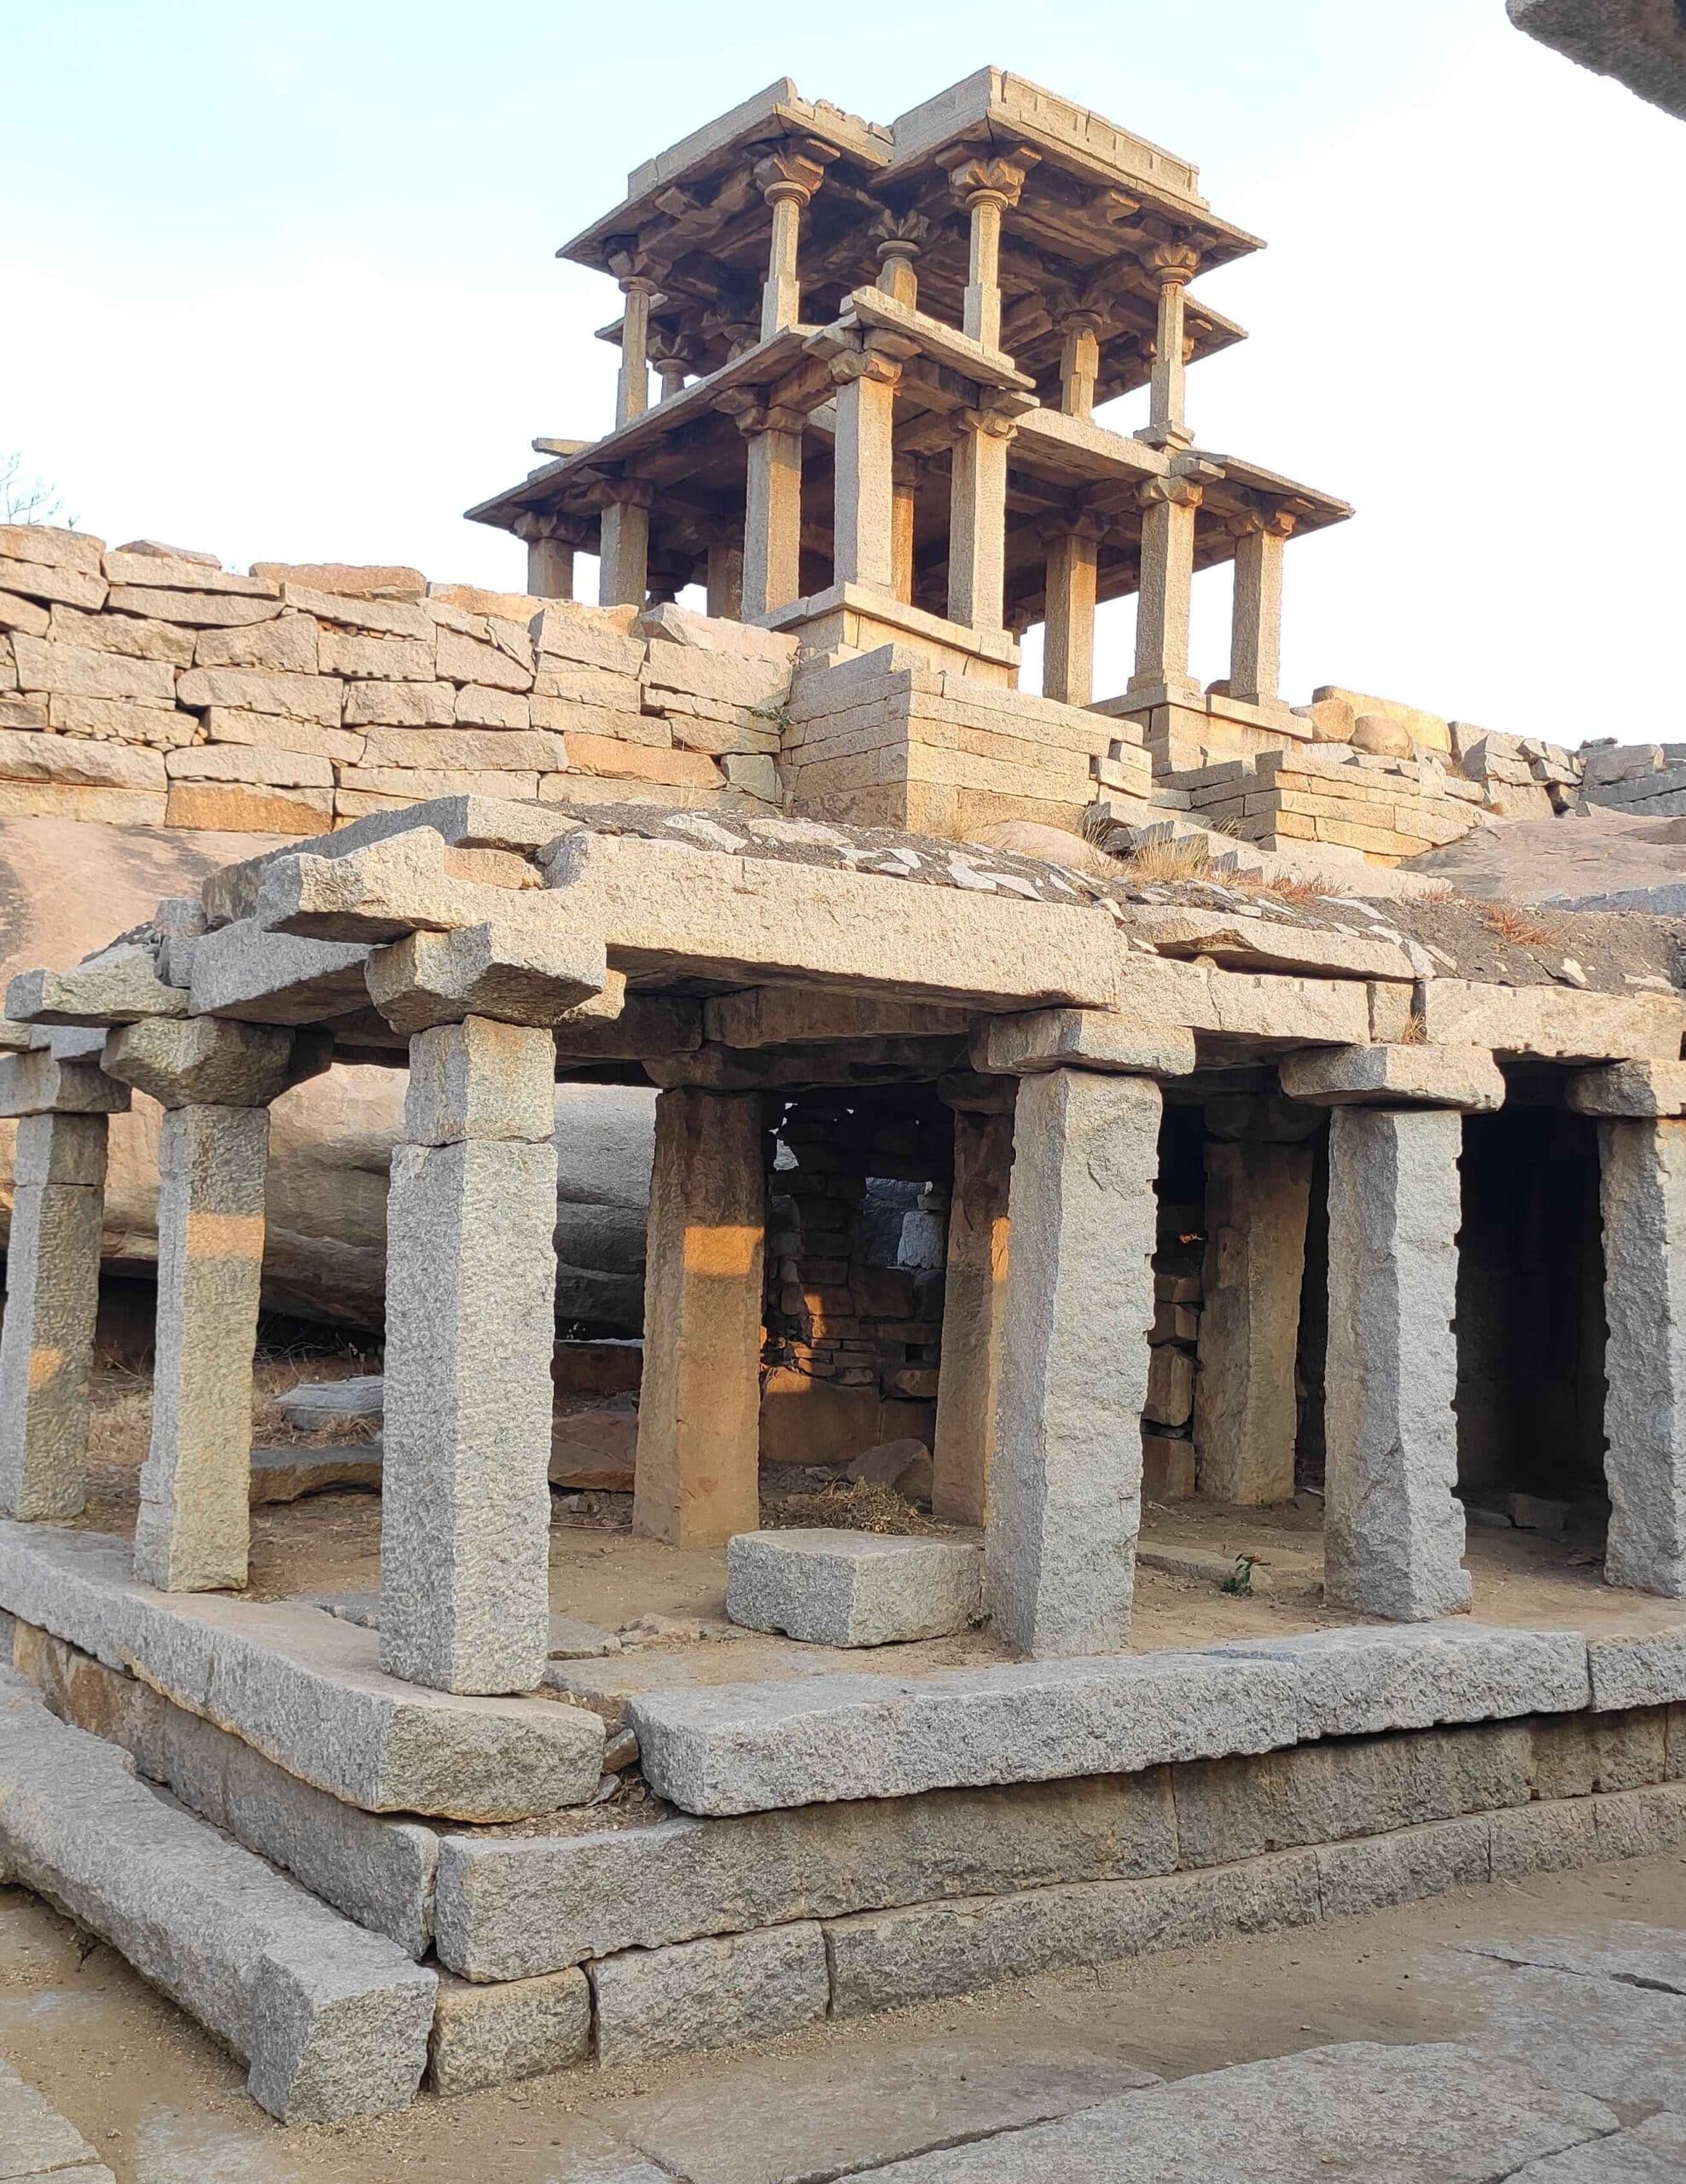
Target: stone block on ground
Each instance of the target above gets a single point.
(332, 2021)
(653, 2003)
(520, 2028)
(315, 1403)
(287, 1474)
(750, 1747)
(833, 1588)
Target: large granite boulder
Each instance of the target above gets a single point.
(66, 886)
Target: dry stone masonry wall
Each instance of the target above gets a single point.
(145, 686)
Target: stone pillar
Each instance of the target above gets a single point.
(1256, 627)
(1172, 265)
(215, 1082)
(52, 1299)
(905, 473)
(863, 521)
(725, 577)
(1069, 588)
(986, 186)
(1256, 1197)
(698, 1407)
(772, 523)
(622, 577)
(788, 178)
(632, 385)
(974, 1294)
(550, 569)
(1393, 1528)
(901, 236)
(671, 355)
(978, 519)
(471, 1281)
(1168, 506)
(1065, 1479)
(1642, 1197)
(1080, 361)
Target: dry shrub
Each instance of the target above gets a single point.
(1187, 859)
(1300, 894)
(1506, 922)
(859, 1507)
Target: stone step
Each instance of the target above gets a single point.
(332, 2021)
(304, 1689)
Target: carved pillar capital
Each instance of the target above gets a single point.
(977, 178)
(1172, 265)
(793, 171)
(1173, 492)
(1256, 523)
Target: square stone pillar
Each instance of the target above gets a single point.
(788, 178)
(550, 569)
(1168, 506)
(471, 1286)
(1065, 1502)
(1256, 625)
(1068, 654)
(1172, 265)
(632, 385)
(193, 1533)
(623, 547)
(906, 471)
(724, 579)
(1642, 1198)
(986, 186)
(1257, 1198)
(974, 1296)
(978, 519)
(52, 1300)
(863, 496)
(698, 1407)
(772, 520)
(1393, 1528)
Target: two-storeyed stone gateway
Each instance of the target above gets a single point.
(880, 350)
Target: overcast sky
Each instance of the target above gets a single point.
(279, 282)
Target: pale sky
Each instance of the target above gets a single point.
(279, 282)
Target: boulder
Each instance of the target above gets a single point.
(1382, 737)
(66, 886)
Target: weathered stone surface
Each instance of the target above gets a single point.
(79, 760)
(493, 970)
(1641, 1823)
(194, 1528)
(831, 1588)
(1393, 1530)
(1081, 1038)
(333, 2021)
(1065, 1481)
(1240, 1808)
(465, 1506)
(974, 1286)
(200, 1062)
(269, 978)
(264, 690)
(1641, 1179)
(287, 1474)
(376, 1870)
(1651, 2152)
(52, 1297)
(1380, 1870)
(479, 1079)
(492, 2036)
(121, 987)
(1246, 1416)
(1544, 1837)
(304, 1689)
(39, 1083)
(1554, 1021)
(1395, 1076)
(1354, 1683)
(1638, 1671)
(651, 2003)
(1351, 2114)
(698, 1407)
(1578, 1755)
(37, 2144)
(748, 1747)
(512, 1907)
(1636, 1089)
(252, 766)
(889, 1960)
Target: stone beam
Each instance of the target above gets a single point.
(1466, 1077)
(1082, 1038)
(516, 975)
(783, 1016)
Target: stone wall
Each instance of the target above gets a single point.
(1645, 780)
(148, 686)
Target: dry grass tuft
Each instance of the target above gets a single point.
(859, 1507)
(1506, 922)
(1415, 1033)
(1189, 859)
(1301, 894)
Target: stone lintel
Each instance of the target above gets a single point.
(777, 1016)
(1638, 1090)
(121, 987)
(516, 974)
(1466, 1077)
(258, 976)
(202, 1061)
(38, 1083)
(399, 884)
(1081, 1038)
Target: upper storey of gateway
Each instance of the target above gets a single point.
(1095, 216)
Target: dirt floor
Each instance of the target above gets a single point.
(163, 2105)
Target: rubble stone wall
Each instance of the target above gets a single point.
(144, 686)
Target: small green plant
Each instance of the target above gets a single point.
(1240, 1579)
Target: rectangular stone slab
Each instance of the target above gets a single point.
(1355, 1681)
(304, 1689)
(750, 1747)
(715, 1994)
(831, 1588)
(333, 2021)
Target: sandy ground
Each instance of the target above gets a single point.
(163, 2105)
